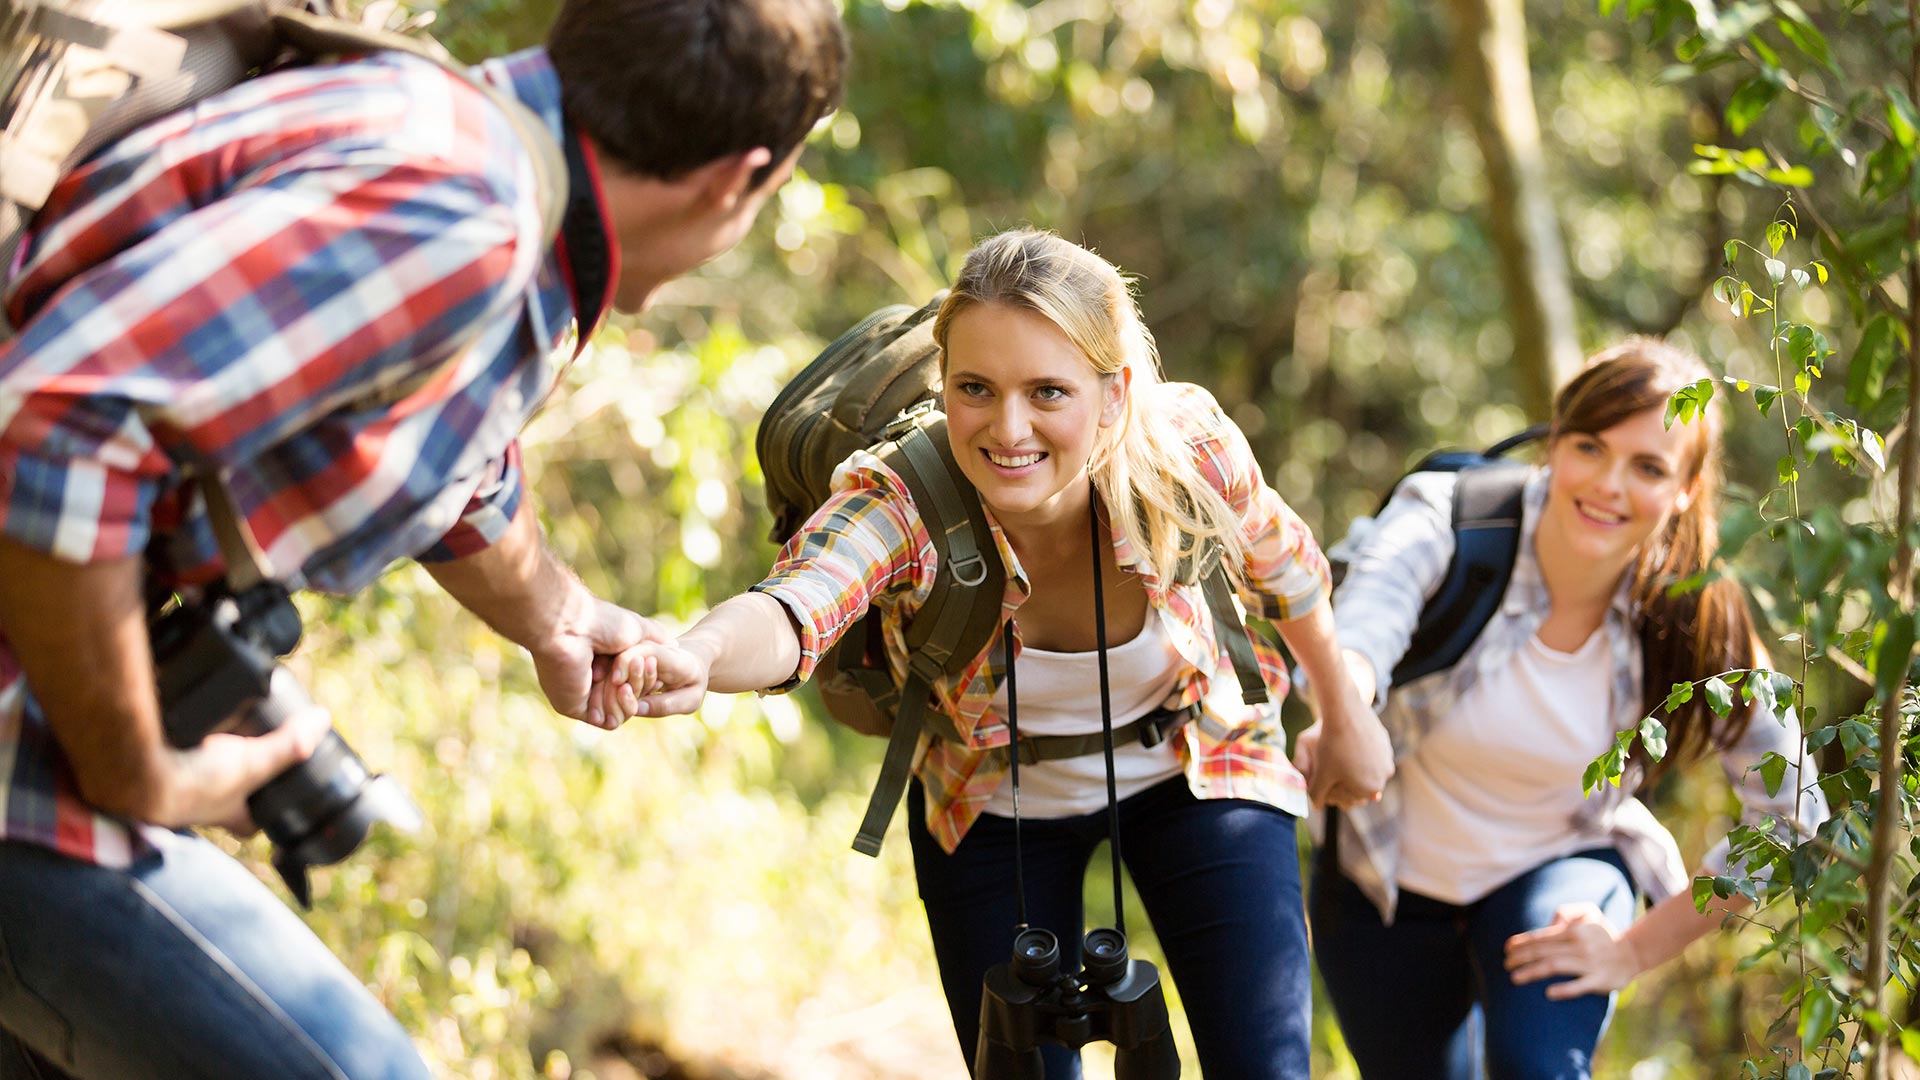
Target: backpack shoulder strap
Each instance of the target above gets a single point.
(958, 619)
(1229, 626)
(1486, 535)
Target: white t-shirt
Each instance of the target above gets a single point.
(1060, 695)
(1492, 790)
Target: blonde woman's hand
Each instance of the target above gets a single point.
(1583, 945)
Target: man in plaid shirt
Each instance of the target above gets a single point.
(330, 287)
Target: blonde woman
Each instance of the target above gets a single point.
(1057, 414)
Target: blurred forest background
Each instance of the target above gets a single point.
(1314, 196)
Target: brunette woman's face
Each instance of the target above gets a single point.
(1024, 409)
(1612, 490)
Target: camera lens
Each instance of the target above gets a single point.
(1036, 956)
(1106, 956)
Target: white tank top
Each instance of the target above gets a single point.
(1060, 695)
(1493, 789)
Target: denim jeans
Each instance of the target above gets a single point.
(185, 965)
(1220, 879)
(1428, 998)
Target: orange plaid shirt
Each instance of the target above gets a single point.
(868, 546)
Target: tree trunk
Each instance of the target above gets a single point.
(1490, 66)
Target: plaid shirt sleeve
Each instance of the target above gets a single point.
(331, 265)
(488, 513)
(864, 543)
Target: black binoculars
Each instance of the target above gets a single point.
(1030, 1001)
(215, 664)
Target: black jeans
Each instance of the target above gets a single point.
(1221, 882)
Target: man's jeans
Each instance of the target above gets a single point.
(1426, 998)
(185, 965)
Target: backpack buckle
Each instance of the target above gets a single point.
(909, 418)
(970, 571)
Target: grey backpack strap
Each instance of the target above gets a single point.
(1230, 628)
(957, 621)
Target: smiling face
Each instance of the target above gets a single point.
(1611, 490)
(1024, 411)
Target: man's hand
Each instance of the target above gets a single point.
(524, 593)
(576, 662)
(209, 784)
(1581, 944)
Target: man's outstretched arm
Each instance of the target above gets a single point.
(518, 587)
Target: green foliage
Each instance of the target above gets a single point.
(1826, 579)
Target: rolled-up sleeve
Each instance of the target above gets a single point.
(865, 542)
(1396, 567)
(486, 516)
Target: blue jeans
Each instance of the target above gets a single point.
(1220, 879)
(1417, 1000)
(184, 965)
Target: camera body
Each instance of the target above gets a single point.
(1029, 1001)
(216, 668)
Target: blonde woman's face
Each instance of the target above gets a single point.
(1610, 491)
(1024, 410)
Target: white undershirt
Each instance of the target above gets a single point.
(1490, 792)
(1059, 694)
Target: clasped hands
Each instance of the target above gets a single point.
(652, 678)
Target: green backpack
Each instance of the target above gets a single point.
(76, 75)
(873, 389)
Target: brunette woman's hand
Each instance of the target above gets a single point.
(1583, 944)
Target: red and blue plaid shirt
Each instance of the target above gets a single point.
(868, 546)
(232, 288)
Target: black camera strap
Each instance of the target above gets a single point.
(1106, 705)
(1106, 732)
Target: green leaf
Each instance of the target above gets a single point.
(1681, 693)
(1596, 772)
(1607, 6)
(1819, 270)
(1879, 346)
(1795, 176)
(1900, 117)
(1818, 1013)
(1799, 29)
(1776, 236)
(1910, 1041)
(1653, 736)
(1773, 771)
(1801, 278)
(1776, 271)
(1719, 696)
(1702, 893)
(1893, 652)
(1764, 397)
(1732, 250)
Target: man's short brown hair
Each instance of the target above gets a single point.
(665, 86)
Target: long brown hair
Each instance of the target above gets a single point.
(1698, 632)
